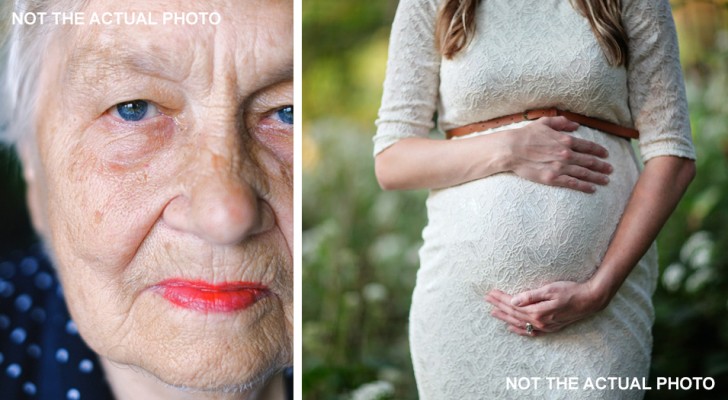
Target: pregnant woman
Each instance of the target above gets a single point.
(538, 258)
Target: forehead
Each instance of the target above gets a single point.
(253, 39)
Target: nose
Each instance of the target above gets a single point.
(217, 203)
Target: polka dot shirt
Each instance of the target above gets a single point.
(41, 354)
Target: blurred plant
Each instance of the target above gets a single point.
(691, 325)
(344, 68)
(359, 257)
(378, 390)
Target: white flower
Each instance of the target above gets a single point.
(377, 390)
(697, 249)
(375, 292)
(673, 276)
(698, 279)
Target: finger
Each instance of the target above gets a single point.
(570, 182)
(530, 297)
(505, 302)
(541, 312)
(500, 299)
(522, 331)
(586, 175)
(508, 319)
(559, 123)
(550, 328)
(498, 295)
(587, 147)
(507, 308)
(534, 313)
(589, 162)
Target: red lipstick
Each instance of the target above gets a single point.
(207, 297)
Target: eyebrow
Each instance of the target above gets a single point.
(282, 74)
(92, 65)
(89, 66)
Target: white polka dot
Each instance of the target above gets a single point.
(28, 266)
(71, 328)
(23, 302)
(18, 335)
(38, 315)
(86, 366)
(29, 388)
(7, 270)
(73, 394)
(34, 351)
(4, 321)
(62, 355)
(43, 280)
(7, 290)
(14, 370)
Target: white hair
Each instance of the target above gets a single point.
(21, 58)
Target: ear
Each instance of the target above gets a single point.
(34, 195)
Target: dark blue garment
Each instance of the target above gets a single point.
(41, 354)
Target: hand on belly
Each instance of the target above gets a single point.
(547, 309)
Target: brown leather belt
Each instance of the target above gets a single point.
(530, 115)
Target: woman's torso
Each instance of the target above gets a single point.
(526, 55)
(505, 232)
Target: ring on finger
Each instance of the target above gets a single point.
(529, 328)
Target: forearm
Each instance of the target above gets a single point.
(419, 163)
(541, 151)
(656, 194)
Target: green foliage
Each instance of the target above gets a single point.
(691, 301)
(344, 57)
(360, 259)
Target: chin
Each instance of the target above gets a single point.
(219, 368)
(222, 380)
(190, 352)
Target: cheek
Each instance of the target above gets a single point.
(278, 141)
(280, 198)
(283, 148)
(127, 150)
(101, 210)
(68, 174)
(278, 193)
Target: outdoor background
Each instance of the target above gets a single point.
(360, 243)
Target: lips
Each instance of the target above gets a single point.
(211, 298)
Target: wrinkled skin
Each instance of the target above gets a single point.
(200, 188)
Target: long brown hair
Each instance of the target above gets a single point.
(455, 26)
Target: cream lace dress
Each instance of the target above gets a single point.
(509, 233)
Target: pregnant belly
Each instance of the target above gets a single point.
(512, 234)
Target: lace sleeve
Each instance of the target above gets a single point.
(412, 80)
(656, 88)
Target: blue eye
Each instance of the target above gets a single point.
(285, 114)
(135, 110)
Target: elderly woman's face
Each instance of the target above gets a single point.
(163, 185)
